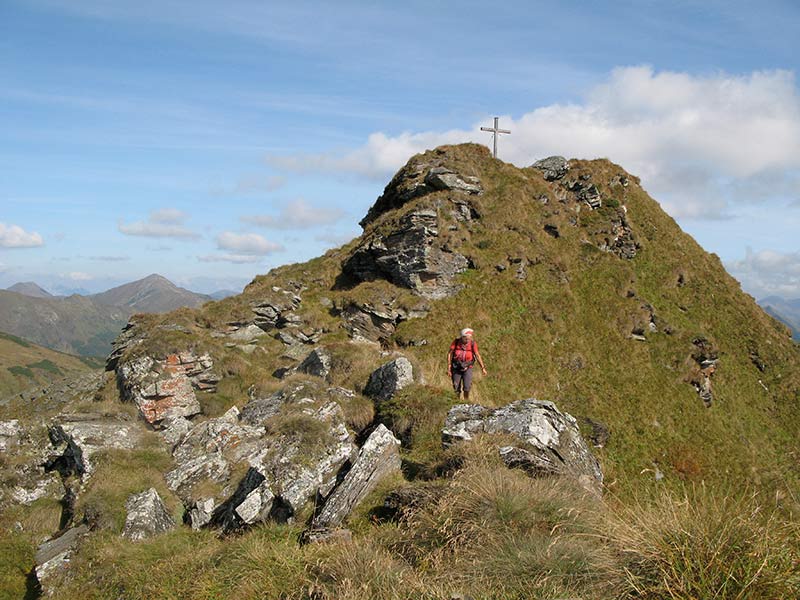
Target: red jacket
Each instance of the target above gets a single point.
(464, 352)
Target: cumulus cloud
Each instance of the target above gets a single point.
(250, 244)
(162, 223)
(768, 273)
(297, 214)
(692, 139)
(14, 236)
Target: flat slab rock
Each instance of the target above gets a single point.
(54, 555)
(550, 441)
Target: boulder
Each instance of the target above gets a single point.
(147, 516)
(317, 363)
(442, 178)
(377, 458)
(53, 556)
(552, 167)
(550, 442)
(76, 438)
(389, 379)
(410, 255)
(376, 320)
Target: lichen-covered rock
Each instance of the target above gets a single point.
(10, 432)
(377, 320)
(377, 458)
(552, 167)
(317, 363)
(76, 438)
(442, 178)
(550, 442)
(54, 555)
(265, 462)
(165, 389)
(411, 256)
(147, 516)
(278, 311)
(389, 379)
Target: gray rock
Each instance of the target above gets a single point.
(291, 446)
(550, 441)
(147, 516)
(442, 178)
(9, 434)
(552, 167)
(326, 536)
(54, 555)
(317, 363)
(389, 378)
(410, 256)
(76, 439)
(377, 458)
(246, 333)
(37, 485)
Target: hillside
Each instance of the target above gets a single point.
(786, 311)
(25, 365)
(252, 416)
(86, 325)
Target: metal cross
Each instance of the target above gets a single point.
(495, 131)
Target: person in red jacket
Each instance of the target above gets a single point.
(460, 358)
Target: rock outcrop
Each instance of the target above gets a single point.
(53, 556)
(164, 389)
(147, 516)
(550, 442)
(552, 167)
(265, 462)
(411, 256)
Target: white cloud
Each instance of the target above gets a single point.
(231, 258)
(250, 244)
(14, 236)
(162, 223)
(297, 214)
(79, 276)
(692, 139)
(767, 273)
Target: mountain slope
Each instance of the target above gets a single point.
(29, 288)
(786, 311)
(153, 293)
(24, 365)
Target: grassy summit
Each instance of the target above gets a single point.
(613, 313)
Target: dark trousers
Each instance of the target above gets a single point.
(462, 380)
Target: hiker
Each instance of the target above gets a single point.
(462, 355)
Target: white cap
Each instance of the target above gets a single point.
(466, 331)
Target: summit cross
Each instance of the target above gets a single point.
(495, 132)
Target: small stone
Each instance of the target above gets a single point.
(147, 516)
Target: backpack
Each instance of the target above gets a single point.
(463, 365)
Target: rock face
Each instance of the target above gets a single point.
(76, 438)
(411, 256)
(552, 167)
(377, 458)
(550, 442)
(389, 379)
(265, 462)
(376, 321)
(442, 178)
(317, 363)
(147, 516)
(164, 389)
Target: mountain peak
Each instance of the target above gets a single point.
(30, 288)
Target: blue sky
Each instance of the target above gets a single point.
(211, 141)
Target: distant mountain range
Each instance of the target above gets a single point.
(786, 311)
(86, 325)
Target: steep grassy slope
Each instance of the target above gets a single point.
(575, 330)
(614, 314)
(24, 365)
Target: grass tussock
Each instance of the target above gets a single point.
(701, 545)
